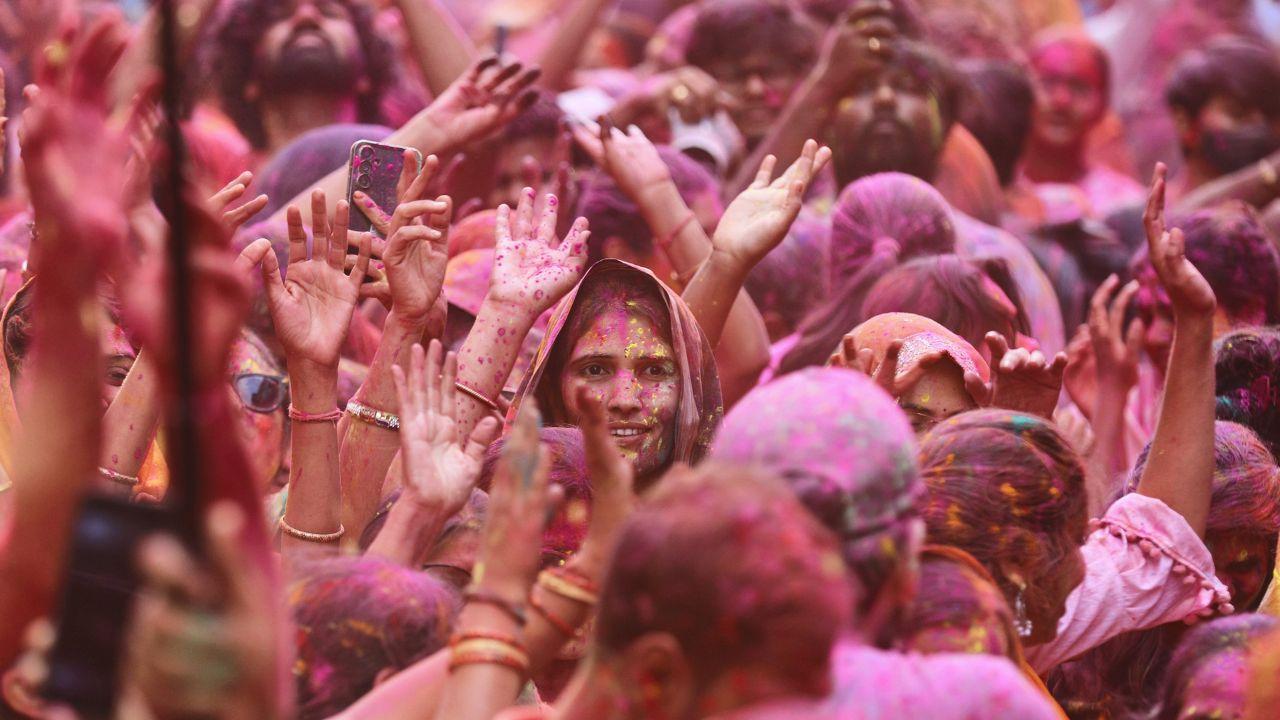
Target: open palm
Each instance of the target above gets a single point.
(759, 218)
(311, 310)
(531, 270)
(440, 468)
(490, 94)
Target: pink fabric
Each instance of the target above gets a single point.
(881, 685)
(1100, 192)
(777, 351)
(1144, 566)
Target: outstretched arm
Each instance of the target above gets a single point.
(311, 311)
(440, 45)
(1179, 469)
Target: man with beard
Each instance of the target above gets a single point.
(895, 116)
(289, 66)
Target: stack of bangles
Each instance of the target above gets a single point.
(373, 416)
(569, 585)
(473, 647)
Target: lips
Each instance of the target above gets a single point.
(628, 433)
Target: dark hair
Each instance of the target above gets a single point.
(17, 329)
(726, 560)
(1234, 251)
(1123, 674)
(878, 221)
(568, 528)
(234, 57)
(539, 120)
(735, 28)
(934, 70)
(1004, 485)
(1228, 65)
(1201, 645)
(357, 616)
(951, 291)
(905, 14)
(1247, 381)
(999, 103)
(613, 214)
(956, 592)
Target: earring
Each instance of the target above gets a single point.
(1021, 623)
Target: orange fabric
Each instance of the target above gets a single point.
(967, 179)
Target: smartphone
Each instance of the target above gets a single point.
(374, 169)
(96, 602)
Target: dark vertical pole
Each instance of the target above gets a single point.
(183, 455)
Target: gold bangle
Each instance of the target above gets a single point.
(560, 585)
(1268, 173)
(372, 416)
(332, 537)
(488, 652)
(475, 395)
(118, 477)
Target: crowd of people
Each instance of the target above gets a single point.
(640, 359)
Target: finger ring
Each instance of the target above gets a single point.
(873, 45)
(56, 53)
(680, 93)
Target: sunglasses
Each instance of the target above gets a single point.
(261, 393)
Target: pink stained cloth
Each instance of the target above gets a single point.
(1144, 566)
(882, 685)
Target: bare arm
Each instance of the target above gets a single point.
(1179, 469)
(311, 311)
(531, 272)
(1256, 184)
(560, 58)
(440, 45)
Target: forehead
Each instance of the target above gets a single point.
(1069, 58)
(249, 357)
(621, 329)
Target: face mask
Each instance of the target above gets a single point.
(1230, 150)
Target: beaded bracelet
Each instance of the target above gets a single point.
(304, 417)
(560, 584)
(118, 477)
(510, 609)
(561, 626)
(332, 537)
(377, 418)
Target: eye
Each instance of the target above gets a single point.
(660, 371)
(594, 370)
(116, 376)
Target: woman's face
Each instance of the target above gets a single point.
(1241, 563)
(1217, 688)
(257, 385)
(120, 356)
(938, 395)
(624, 362)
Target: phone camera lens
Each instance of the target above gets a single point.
(366, 152)
(363, 182)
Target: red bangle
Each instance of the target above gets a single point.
(561, 626)
(304, 417)
(670, 237)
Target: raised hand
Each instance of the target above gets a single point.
(488, 96)
(231, 192)
(75, 162)
(311, 310)
(415, 253)
(629, 158)
(1108, 360)
(863, 360)
(612, 481)
(440, 468)
(519, 500)
(1021, 380)
(758, 219)
(531, 271)
(858, 42)
(1188, 291)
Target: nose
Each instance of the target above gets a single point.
(306, 10)
(624, 395)
(756, 86)
(886, 97)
